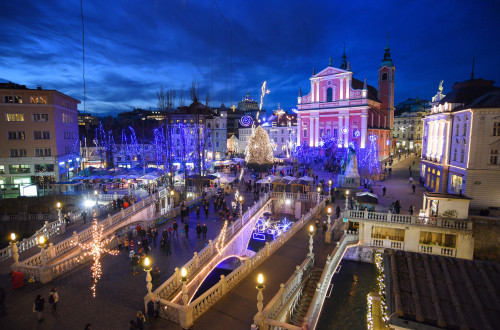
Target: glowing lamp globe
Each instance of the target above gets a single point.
(183, 272)
(41, 240)
(311, 229)
(12, 237)
(329, 210)
(58, 205)
(146, 262)
(260, 279)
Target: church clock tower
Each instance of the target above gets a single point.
(386, 86)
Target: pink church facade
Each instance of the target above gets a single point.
(347, 109)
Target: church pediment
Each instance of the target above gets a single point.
(329, 71)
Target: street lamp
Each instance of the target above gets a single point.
(13, 247)
(311, 234)
(41, 245)
(147, 269)
(330, 184)
(259, 317)
(184, 286)
(328, 236)
(347, 199)
(319, 192)
(95, 194)
(241, 204)
(59, 214)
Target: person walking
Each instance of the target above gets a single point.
(414, 187)
(337, 211)
(186, 229)
(411, 210)
(155, 236)
(384, 190)
(175, 226)
(84, 217)
(204, 230)
(126, 244)
(119, 241)
(140, 320)
(167, 247)
(410, 180)
(38, 307)
(325, 227)
(197, 211)
(206, 212)
(53, 299)
(198, 231)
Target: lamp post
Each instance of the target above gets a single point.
(13, 247)
(59, 214)
(311, 241)
(330, 184)
(259, 317)
(184, 286)
(41, 245)
(149, 285)
(319, 192)
(241, 205)
(328, 236)
(347, 199)
(95, 194)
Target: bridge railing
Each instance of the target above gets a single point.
(441, 222)
(284, 302)
(199, 260)
(200, 305)
(332, 262)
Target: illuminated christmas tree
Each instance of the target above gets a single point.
(259, 152)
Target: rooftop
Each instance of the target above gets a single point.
(434, 291)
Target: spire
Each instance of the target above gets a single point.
(300, 92)
(472, 73)
(387, 61)
(343, 64)
(348, 66)
(314, 71)
(330, 62)
(365, 86)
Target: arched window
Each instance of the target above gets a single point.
(329, 95)
(384, 76)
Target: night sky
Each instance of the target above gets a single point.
(133, 47)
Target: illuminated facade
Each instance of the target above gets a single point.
(345, 108)
(461, 143)
(408, 126)
(39, 140)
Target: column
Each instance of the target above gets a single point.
(364, 127)
(316, 132)
(312, 91)
(341, 88)
(317, 91)
(341, 124)
(299, 129)
(311, 133)
(346, 135)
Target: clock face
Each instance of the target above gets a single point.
(246, 121)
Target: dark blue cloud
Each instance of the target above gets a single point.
(133, 47)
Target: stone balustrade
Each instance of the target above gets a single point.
(441, 222)
(332, 262)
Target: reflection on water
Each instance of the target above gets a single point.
(346, 308)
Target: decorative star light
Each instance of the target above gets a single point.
(95, 248)
(373, 138)
(219, 243)
(357, 133)
(345, 130)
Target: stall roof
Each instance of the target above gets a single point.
(366, 198)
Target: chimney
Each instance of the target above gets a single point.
(39, 87)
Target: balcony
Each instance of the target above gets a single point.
(388, 243)
(437, 250)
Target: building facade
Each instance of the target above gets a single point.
(461, 143)
(39, 140)
(346, 109)
(282, 130)
(408, 125)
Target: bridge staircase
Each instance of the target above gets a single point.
(300, 311)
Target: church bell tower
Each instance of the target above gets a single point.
(386, 73)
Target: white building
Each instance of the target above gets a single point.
(408, 125)
(461, 143)
(282, 130)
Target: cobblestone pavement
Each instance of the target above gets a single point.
(119, 294)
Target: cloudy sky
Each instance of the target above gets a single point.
(132, 47)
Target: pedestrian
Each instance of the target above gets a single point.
(167, 247)
(151, 312)
(198, 231)
(150, 235)
(132, 245)
(411, 210)
(317, 224)
(414, 188)
(325, 227)
(337, 211)
(126, 244)
(84, 216)
(197, 211)
(384, 190)
(175, 226)
(53, 299)
(38, 308)
(140, 320)
(120, 242)
(186, 229)
(155, 235)
(410, 180)
(204, 230)
(155, 275)
(206, 212)
(170, 231)
(133, 326)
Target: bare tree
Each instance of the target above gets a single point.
(181, 98)
(207, 100)
(166, 101)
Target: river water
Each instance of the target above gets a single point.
(346, 308)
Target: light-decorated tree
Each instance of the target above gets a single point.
(259, 152)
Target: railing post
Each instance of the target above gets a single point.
(195, 259)
(223, 284)
(268, 249)
(211, 246)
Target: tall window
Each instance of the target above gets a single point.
(335, 132)
(494, 156)
(13, 99)
(43, 152)
(496, 128)
(18, 153)
(455, 155)
(456, 129)
(464, 131)
(305, 132)
(67, 119)
(462, 156)
(329, 95)
(384, 76)
(14, 117)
